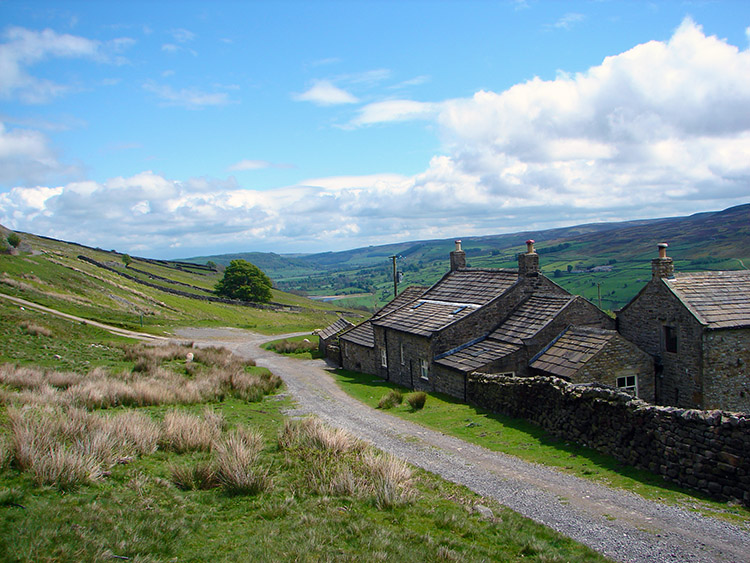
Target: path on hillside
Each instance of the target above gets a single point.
(616, 523)
(113, 329)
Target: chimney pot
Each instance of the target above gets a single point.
(663, 266)
(662, 249)
(530, 246)
(458, 244)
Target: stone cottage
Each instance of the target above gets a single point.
(696, 326)
(328, 336)
(471, 320)
(586, 354)
(358, 351)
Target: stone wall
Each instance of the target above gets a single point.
(642, 322)
(726, 369)
(271, 306)
(356, 357)
(704, 450)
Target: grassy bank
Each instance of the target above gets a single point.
(119, 451)
(526, 441)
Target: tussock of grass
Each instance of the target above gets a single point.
(236, 465)
(293, 346)
(200, 476)
(416, 400)
(390, 399)
(33, 329)
(185, 432)
(211, 376)
(337, 464)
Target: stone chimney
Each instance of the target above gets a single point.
(663, 266)
(528, 264)
(458, 258)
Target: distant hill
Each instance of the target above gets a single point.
(605, 262)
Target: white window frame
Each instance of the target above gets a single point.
(623, 383)
(424, 369)
(383, 358)
(403, 361)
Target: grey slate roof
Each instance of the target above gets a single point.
(528, 319)
(531, 316)
(717, 299)
(424, 317)
(456, 295)
(477, 355)
(333, 329)
(362, 334)
(571, 350)
(404, 298)
(472, 286)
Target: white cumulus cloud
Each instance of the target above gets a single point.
(661, 129)
(325, 93)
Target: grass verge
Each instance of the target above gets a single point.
(531, 443)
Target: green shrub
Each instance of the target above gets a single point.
(416, 400)
(390, 399)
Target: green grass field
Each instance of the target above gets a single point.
(140, 507)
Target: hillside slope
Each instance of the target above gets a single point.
(149, 295)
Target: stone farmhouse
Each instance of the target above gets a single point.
(513, 322)
(696, 326)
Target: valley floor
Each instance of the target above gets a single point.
(616, 523)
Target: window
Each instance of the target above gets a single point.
(383, 358)
(424, 369)
(670, 338)
(402, 353)
(629, 384)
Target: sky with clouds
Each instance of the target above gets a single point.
(173, 129)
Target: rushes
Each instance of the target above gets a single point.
(211, 375)
(67, 447)
(236, 463)
(335, 463)
(185, 432)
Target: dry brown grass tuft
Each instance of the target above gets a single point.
(389, 479)
(66, 447)
(336, 463)
(235, 463)
(148, 384)
(185, 432)
(35, 329)
(312, 433)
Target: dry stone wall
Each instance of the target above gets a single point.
(704, 450)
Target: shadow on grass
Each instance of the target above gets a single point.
(593, 462)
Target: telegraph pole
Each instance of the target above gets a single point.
(395, 276)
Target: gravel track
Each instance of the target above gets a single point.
(618, 524)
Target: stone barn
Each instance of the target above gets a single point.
(696, 327)
(328, 337)
(586, 355)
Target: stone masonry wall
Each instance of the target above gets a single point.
(619, 358)
(704, 450)
(642, 322)
(726, 369)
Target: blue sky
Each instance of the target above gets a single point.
(172, 129)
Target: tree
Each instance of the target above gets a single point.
(243, 280)
(211, 264)
(127, 260)
(14, 240)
